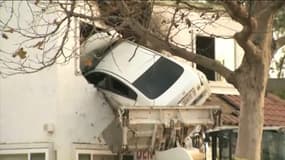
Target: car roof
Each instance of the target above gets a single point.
(128, 60)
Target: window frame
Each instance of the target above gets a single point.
(93, 152)
(27, 152)
(28, 148)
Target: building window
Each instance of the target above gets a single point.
(87, 30)
(105, 157)
(99, 154)
(14, 157)
(84, 157)
(37, 156)
(83, 32)
(92, 156)
(23, 156)
(205, 46)
(26, 151)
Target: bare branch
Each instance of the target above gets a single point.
(91, 18)
(172, 24)
(188, 6)
(275, 5)
(240, 13)
(38, 32)
(181, 52)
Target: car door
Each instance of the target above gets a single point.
(113, 88)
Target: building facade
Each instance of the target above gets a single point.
(55, 114)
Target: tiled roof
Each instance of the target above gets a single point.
(229, 119)
(274, 110)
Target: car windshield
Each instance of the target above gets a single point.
(158, 78)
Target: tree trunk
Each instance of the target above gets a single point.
(251, 117)
(251, 81)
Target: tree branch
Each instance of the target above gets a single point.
(275, 5)
(240, 14)
(197, 7)
(158, 43)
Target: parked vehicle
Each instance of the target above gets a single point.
(132, 74)
(222, 143)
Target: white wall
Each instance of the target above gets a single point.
(55, 97)
(27, 103)
(81, 112)
(225, 52)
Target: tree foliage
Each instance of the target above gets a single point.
(279, 21)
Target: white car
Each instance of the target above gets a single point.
(135, 75)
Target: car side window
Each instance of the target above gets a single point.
(98, 79)
(110, 83)
(116, 86)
